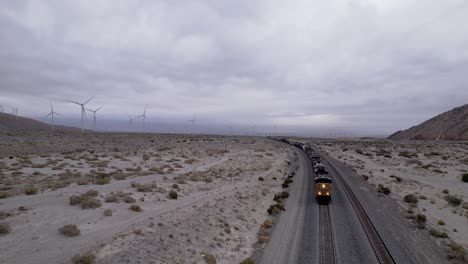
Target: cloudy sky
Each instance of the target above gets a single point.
(376, 65)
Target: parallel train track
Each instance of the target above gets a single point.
(381, 251)
(327, 243)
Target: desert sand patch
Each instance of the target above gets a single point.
(136, 198)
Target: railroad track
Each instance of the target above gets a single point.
(327, 244)
(381, 251)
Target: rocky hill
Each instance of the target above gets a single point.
(451, 125)
(10, 122)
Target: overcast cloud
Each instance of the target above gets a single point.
(376, 65)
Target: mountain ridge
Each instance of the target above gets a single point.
(451, 125)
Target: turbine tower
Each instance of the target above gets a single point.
(14, 111)
(94, 116)
(83, 111)
(193, 122)
(143, 116)
(1, 108)
(52, 115)
(130, 119)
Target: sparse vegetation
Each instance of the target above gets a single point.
(147, 187)
(30, 190)
(421, 220)
(410, 198)
(383, 189)
(453, 200)
(4, 195)
(118, 197)
(286, 183)
(74, 200)
(88, 202)
(173, 194)
(456, 251)
(275, 209)
(464, 177)
(264, 231)
(102, 179)
(280, 196)
(135, 208)
(4, 228)
(108, 212)
(70, 230)
(247, 261)
(440, 222)
(437, 233)
(209, 258)
(86, 258)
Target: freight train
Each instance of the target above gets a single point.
(323, 183)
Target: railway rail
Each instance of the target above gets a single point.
(327, 243)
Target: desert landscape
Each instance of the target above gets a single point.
(428, 179)
(233, 132)
(136, 198)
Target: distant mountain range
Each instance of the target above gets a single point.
(9, 122)
(451, 125)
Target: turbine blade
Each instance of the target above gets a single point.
(47, 115)
(98, 108)
(88, 100)
(84, 112)
(58, 114)
(73, 102)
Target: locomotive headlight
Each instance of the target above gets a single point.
(323, 185)
(328, 193)
(320, 193)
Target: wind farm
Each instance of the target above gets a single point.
(83, 111)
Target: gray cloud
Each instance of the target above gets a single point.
(372, 65)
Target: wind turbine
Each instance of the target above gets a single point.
(143, 116)
(130, 119)
(14, 111)
(1, 108)
(52, 115)
(193, 122)
(83, 111)
(94, 116)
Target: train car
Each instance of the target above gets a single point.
(320, 169)
(323, 190)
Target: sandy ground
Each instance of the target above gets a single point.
(429, 170)
(220, 205)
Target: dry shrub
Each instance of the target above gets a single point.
(119, 197)
(108, 212)
(70, 230)
(90, 203)
(135, 208)
(4, 228)
(86, 258)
